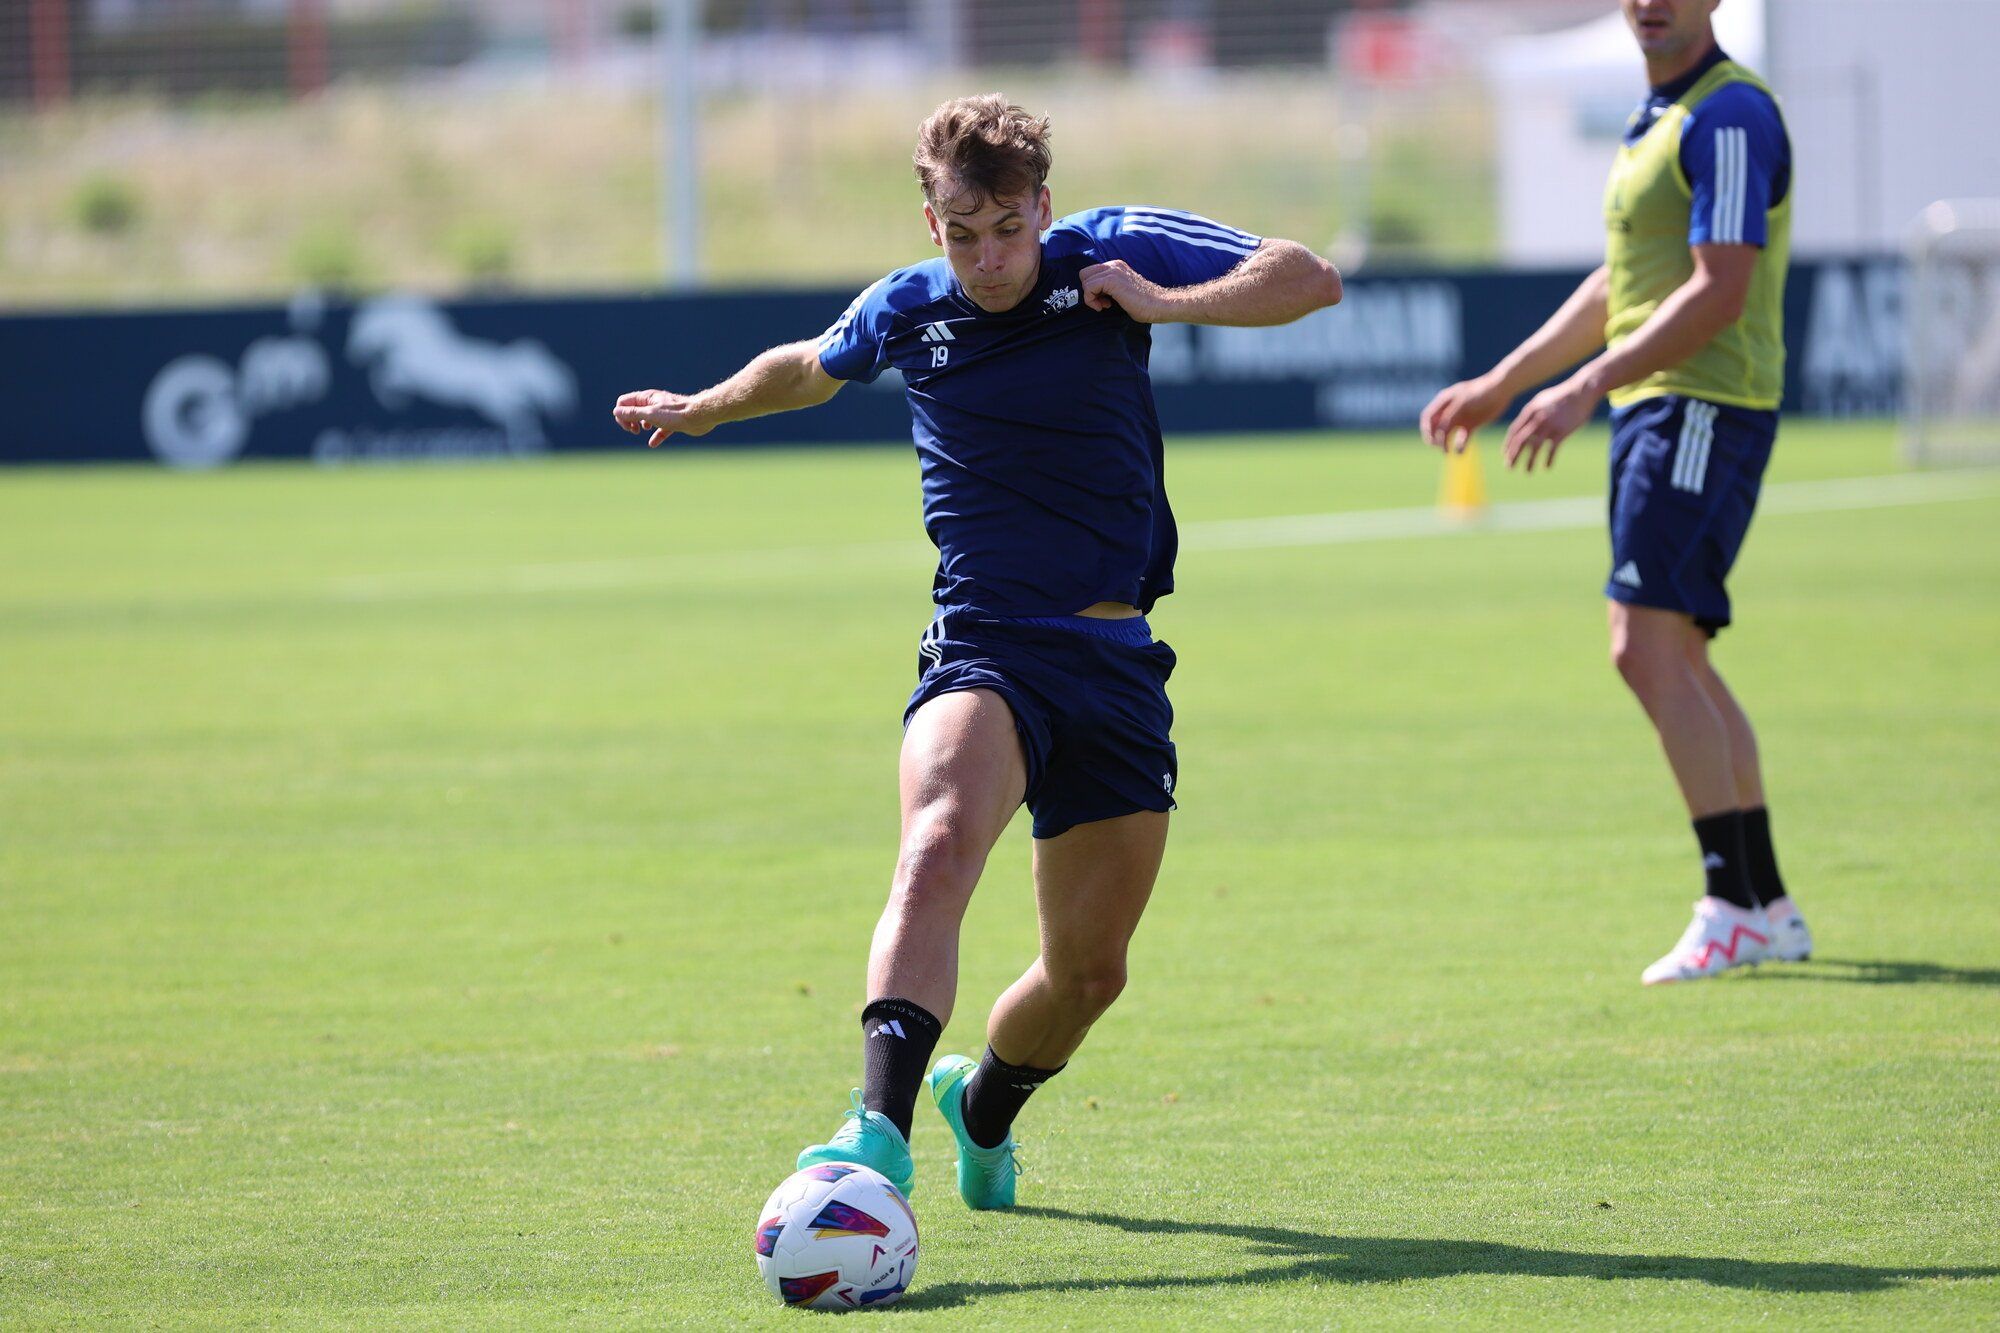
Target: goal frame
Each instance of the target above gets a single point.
(1951, 336)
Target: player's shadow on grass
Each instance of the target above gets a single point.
(1302, 1256)
(1880, 972)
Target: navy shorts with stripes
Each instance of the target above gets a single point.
(1684, 481)
(1089, 699)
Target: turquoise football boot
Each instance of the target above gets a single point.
(985, 1175)
(867, 1138)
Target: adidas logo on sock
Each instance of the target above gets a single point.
(892, 1028)
(1713, 861)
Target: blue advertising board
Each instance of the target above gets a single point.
(404, 377)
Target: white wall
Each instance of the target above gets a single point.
(1560, 104)
(1891, 104)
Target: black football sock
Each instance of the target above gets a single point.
(897, 1038)
(1722, 858)
(995, 1094)
(1762, 857)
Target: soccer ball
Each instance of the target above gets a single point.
(837, 1236)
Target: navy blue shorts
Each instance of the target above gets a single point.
(1684, 481)
(1090, 704)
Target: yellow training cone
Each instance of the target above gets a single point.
(1462, 495)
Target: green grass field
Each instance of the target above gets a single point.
(437, 897)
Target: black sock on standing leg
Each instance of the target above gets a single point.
(995, 1094)
(1761, 856)
(897, 1038)
(1723, 859)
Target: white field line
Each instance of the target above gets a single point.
(1241, 534)
(1575, 511)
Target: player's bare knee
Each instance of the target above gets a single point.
(1088, 987)
(1638, 667)
(1654, 684)
(1630, 667)
(939, 861)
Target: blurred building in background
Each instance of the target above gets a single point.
(202, 150)
(1871, 91)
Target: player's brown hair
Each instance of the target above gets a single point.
(978, 148)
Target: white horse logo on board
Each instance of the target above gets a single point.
(412, 351)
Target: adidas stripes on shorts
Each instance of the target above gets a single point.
(1685, 475)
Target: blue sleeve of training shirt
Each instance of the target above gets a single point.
(1166, 246)
(1738, 162)
(853, 348)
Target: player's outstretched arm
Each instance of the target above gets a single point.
(1574, 332)
(783, 379)
(1279, 282)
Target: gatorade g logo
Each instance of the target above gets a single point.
(192, 416)
(199, 409)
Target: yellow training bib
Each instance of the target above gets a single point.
(1646, 217)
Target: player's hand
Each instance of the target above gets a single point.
(1459, 410)
(660, 412)
(1106, 285)
(1551, 416)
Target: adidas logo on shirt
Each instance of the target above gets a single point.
(1628, 574)
(938, 333)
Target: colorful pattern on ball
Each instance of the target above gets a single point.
(840, 1219)
(799, 1290)
(837, 1236)
(881, 1294)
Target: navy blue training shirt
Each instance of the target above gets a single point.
(1035, 429)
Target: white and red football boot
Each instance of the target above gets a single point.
(1791, 942)
(1721, 936)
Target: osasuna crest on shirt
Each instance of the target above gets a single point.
(1035, 429)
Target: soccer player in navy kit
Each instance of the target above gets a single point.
(1023, 354)
(1684, 328)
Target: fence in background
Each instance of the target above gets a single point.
(60, 50)
(179, 151)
